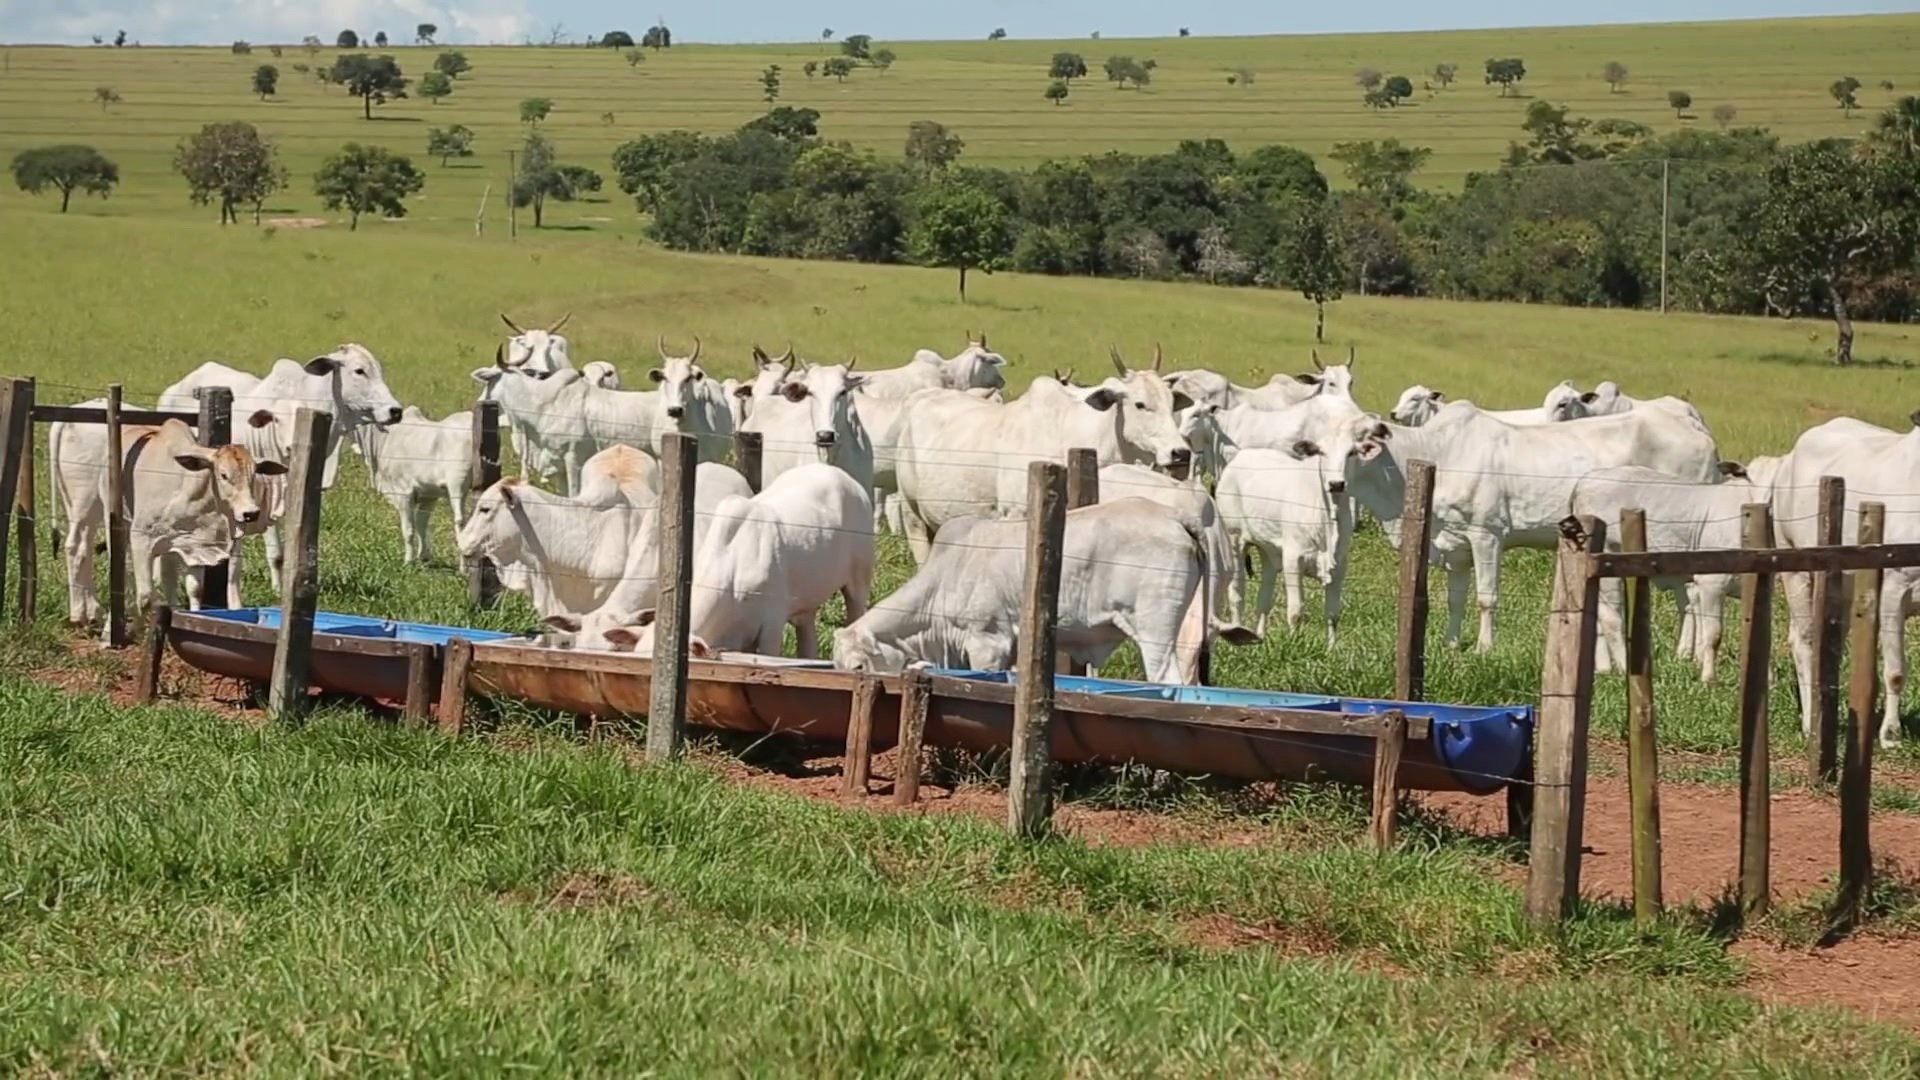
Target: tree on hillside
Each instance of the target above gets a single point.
(453, 142)
(657, 37)
(541, 177)
(1122, 70)
(1846, 92)
(839, 67)
(786, 123)
(635, 58)
(66, 169)
(106, 95)
(645, 165)
(231, 164)
(1000, 34)
(375, 80)
(1067, 66)
(380, 40)
(1680, 100)
(120, 39)
(265, 78)
(424, 33)
(1897, 130)
(961, 227)
(1444, 74)
(811, 67)
(826, 34)
(274, 51)
(347, 40)
(452, 64)
(931, 146)
(367, 180)
(883, 59)
(311, 43)
(1724, 114)
(770, 83)
(435, 85)
(535, 109)
(1217, 260)
(857, 46)
(616, 39)
(242, 48)
(1184, 32)
(1240, 77)
(1829, 222)
(1310, 260)
(1367, 79)
(1057, 91)
(1506, 73)
(1886, 85)
(1616, 75)
(1397, 88)
(1383, 169)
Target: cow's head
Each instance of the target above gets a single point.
(1566, 402)
(535, 350)
(359, 385)
(602, 374)
(1148, 430)
(1332, 380)
(856, 649)
(678, 378)
(232, 470)
(1203, 386)
(1200, 427)
(1350, 447)
(1417, 405)
(828, 391)
(975, 367)
(606, 631)
(494, 529)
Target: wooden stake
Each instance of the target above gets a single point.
(1387, 748)
(455, 661)
(1830, 617)
(667, 707)
(916, 694)
(1756, 649)
(860, 736)
(419, 705)
(146, 687)
(215, 429)
(117, 538)
(1856, 770)
(300, 574)
(1083, 489)
(1643, 749)
(483, 471)
(747, 449)
(16, 464)
(1566, 705)
(1416, 537)
(1030, 787)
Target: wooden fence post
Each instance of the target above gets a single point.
(747, 449)
(300, 574)
(419, 704)
(859, 765)
(1756, 648)
(1387, 749)
(483, 581)
(455, 662)
(916, 695)
(667, 705)
(215, 429)
(1083, 489)
(1856, 771)
(1416, 537)
(116, 524)
(1566, 705)
(1643, 748)
(153, 651)
(1830, 616)
(16, 435)
(1030, 786)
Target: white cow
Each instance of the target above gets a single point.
(1419, 404)
(692, 403)
(567, 552)
(417, 462)
(568, 416)
(1131, 569)
(961, 456)
(974, 367)
(771, 560)
(813, 418)
(184, 502)
(1290, 509)
(1681, 516)
(1210, 388)
(602, 374)
(1880, 466)
(1216, 434)
(537, 352)
(1607, 400)
(1499, 485)
(1186, 497)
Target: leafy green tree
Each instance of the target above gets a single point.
(310, 43)
(931, 146)
(541, 177)
(274, 51)
(839, 67)
(1616, 75)
(635, 58)
(961, 227)
(367, 180)
(242, 48)
(1310, 259)
(1000, 34)
(265, 78)
(645, 165)
(1846, 92)
(1724, 114)
(452, 64)
(1898, 128)
(770, 83)
(1057, 91)
(657, 37)
(1367, 78)
(857, 46)
(535, 109)
(231, 164)
(1122, 70)
(424, 33)
(1397, 88)
(1382, 169)
(616, 39)
(106, 95)
(347, 40)
(380, 39)
(787, 123)
(453, 142)
(375, 80)
(435, 85)
(811, 67)
(827, 34)
(1506, 73)
(1067, 66)
(1444, 74)
(883, 59)
(1829, 220)
(1680, 101)
(120, 39)
(66, 168)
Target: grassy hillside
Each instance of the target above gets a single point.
(1775, 72)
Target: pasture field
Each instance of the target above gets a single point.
(186, 893)
(1776, 73)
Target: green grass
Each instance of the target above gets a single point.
(1776, 72)
(350, 896)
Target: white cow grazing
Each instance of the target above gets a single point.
(1419, 404)
(1499, 485)
(417, 462)
(1607, 400)
(773, 560)
(1880, 466)
(812, 418)
(1290, 509)
(974, 367)
(566, 552)
(692, 404)
(1131, 569)
(1681, 516)
(1190, 499)
(184, 502)
(602, 374)
(959, 456)
(568, 416)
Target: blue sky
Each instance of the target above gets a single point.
(219, 21)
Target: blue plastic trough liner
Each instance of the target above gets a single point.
(360, 655)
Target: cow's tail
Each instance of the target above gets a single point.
(55, 487)
(1200, 536)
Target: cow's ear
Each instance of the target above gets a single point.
(700, 649)
(1310, 380)
(645, 617)
(568, 623)
(1303, 449)
(855, 382)
(794, 391)
(260, 418)
(1102, 399)
(744, 390)
(194, 462)
(1733, 469)
(1915, 418)
(622, 636)
(1590, 396)
(1436, 397)
(1382, 431)
(321, 365)
(1181, 402)
(657, 375)
(509, 496)
(269, 468)
(485, 374)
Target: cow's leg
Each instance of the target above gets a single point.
(1269, 573)
(83, 603)
(1610, 650)
(1458, 565)
(234, 569)
(856, 595)
(919, 537)
(1293, 563)
(403, 508)
(274, 556)
(1708, 619)
(1800, 615)
(1486, 580)
(518, 436)
(1334, 576)
(141, 555)
(1893, 656)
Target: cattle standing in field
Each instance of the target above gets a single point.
(565, 415)
(813, 418)
(1880, 466)
(1419, 404)
(184, 502)
(1499, 485)
(974, 367)
(1607, 400)
(566, 552)
(416, 463)
(771, 560)
(1215, 434)
(1207, 388)
(537, 352)
(692, 403)
(960, 456)
(1292, 511)
(1130, 570)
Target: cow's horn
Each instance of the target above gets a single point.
(788, 358)
(511, 325)
(1156, 356)
(696, 349)
(1317, 365)
(1119, 364)
(555, 328)
(853, 361)
(1349, 356)
(660, 343)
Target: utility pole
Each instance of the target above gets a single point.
(1665, 171)
(513, 226)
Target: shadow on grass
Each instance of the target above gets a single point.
(566, 228)
(1821, 359)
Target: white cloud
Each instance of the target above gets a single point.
(178, 22)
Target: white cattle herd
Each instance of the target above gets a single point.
(1194, 471)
